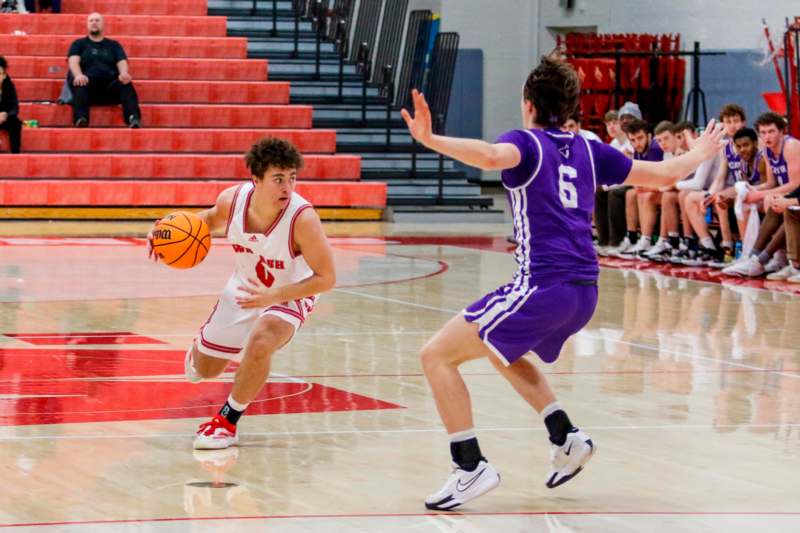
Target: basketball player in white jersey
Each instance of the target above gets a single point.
(283, 262)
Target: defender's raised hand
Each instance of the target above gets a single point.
(711, 141)
(420, 127)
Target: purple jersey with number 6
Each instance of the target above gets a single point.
(552, 199)
(554, 293)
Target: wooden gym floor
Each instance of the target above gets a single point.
(690, 389)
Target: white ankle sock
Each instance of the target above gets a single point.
(707, 243)
(550, 409)
(236, 405)
(461, 436)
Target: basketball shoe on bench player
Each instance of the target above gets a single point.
(283, 262)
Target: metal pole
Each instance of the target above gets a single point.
(413, 158)
(618, 81)
(341, 78)
(388, 80)
(296, 52)
(796, 87)
(696, 83)
(364, 97)
(319, 50)
(274, 17)
(343, 49)
(440, 190)
(788, 75)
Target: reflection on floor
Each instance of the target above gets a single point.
(691, 390)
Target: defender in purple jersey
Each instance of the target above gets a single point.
(551, 178)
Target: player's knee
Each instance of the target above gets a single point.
(430, 357)
(265, 341)
(262, 344)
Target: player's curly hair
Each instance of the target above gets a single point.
(272, 152)
(554, 89)
(732, 110)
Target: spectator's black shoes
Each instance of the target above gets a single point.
(134, 122)
(82, 123)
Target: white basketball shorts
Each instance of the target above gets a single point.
(226, 331)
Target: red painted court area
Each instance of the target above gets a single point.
(58, 386)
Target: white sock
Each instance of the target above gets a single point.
(727, 244)
(707, 242)
(461, 436)
(236, 405)
(550, 409)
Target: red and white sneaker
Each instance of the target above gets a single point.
(215, 435)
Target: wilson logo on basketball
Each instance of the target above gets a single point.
(162, 233)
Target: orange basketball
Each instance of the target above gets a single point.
(181, 239)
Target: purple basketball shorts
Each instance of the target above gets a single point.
(520, 317)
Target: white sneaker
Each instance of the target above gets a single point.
(750, 267)
(624, 246)
(794, 279)
(658, 249)
(603, 251)
(188, 368)
(642, 245)
(463, 486)
(777, 262)
(567, 461)
(784, 274)
(217, 434)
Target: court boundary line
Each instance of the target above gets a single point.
(409, 515)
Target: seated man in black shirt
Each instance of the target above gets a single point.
(9, 108)
(99, 75)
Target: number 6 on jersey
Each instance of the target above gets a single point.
(566, 190)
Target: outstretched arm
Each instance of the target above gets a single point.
(473, 152)
(667, 173)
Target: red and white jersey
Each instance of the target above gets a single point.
(267, 256)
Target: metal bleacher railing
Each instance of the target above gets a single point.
(390, 49)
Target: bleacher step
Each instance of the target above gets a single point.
(181, 91)
(163, 166)
(33, 193)
(144, 68)
(181, 116)
(105, 213)
(137, 7)
(150, 140)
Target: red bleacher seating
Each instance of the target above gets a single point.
(208, 47)
(654, 81)
(180, 116)
(163, 166)
(203, 104)
(173, 193)
(181, 91)
(137, 7)
(116, 25)
(149, 68)
(170, 140)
